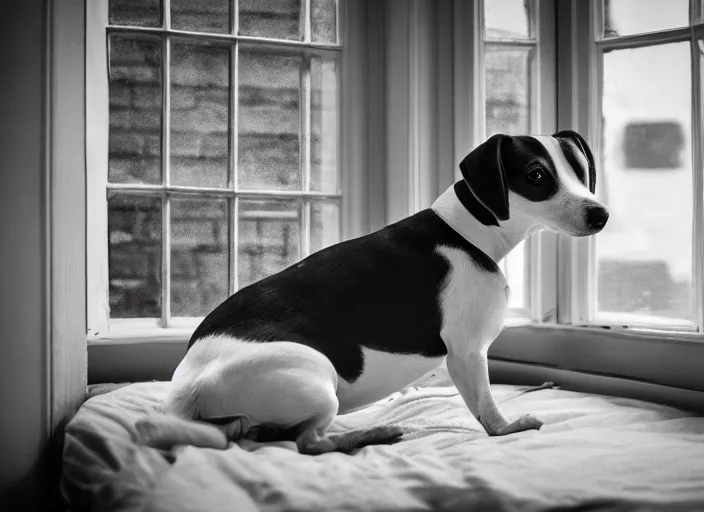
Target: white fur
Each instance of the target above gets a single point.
(494, 241)
(384, 373)
(280, 382)
(473, 304)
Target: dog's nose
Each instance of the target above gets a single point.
(597, 217)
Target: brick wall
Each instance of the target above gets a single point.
(269, 99)
(507, 98)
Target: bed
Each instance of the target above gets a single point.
(593, 453)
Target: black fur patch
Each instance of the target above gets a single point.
(500, 164)
(379, 291)
(569, 142)
(569, 150)
(524, 155)
(473, 206)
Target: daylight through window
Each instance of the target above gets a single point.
(645, 257)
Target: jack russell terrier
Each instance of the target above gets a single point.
(355, 322)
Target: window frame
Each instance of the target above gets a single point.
(580, 109)
(470, 129)
(647, 363)
(98, 31)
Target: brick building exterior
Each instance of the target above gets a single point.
(269, 152)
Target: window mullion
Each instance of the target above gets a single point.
(234, 17)
(697, 177)
(305, 159)
(541, 250)
(233, 237)
(97, 151)
(166, 175)
(479, 98)
(594, 93)
(306, 21)
(304, 208)
(578, 92)
(233, 203)
(166, 6)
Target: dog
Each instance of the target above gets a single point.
(357, 321)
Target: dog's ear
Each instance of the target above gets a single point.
(579, 141)
(484, 173)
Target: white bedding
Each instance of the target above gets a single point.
(593, 453)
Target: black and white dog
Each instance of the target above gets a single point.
(358, 321)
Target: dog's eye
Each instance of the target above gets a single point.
(536, 176)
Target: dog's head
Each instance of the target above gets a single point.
(548, 179)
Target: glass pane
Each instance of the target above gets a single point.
(323, 166)
(507, 19)
(201, 16)
(135, 110)
(200, 114)
(139, 13)
(199, 255)
(269, 121)
(134, 256)
(516, 277)
(508, 74)
(324, 224)
(644, 254)
(323, 21)
(273, 19)
(268, 238)
(624, 17)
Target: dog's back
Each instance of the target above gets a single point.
(380, 291)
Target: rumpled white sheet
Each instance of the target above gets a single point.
(593, 453)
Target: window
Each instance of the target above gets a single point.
(222, 159)
(510, 66)
(648, 258)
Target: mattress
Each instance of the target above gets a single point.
(593, 453)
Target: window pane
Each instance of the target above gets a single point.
(507, 19)
(323, 18)
(135, 110)
(269, 120)
(624, 17)
(323, 167)
(516, 276)
(645, 252)
(134, 256)
(274, 19)
(200, 114)
(268, 238)
(140, 13)
(201, 15)
(508, 90)
(199, 255)
(324, 224)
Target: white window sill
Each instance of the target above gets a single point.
(124, 335)
(181, 334)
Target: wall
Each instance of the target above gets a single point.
(24, 394)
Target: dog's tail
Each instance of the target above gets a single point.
(182, 400)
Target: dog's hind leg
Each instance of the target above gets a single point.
(313, 441)
(242, 386)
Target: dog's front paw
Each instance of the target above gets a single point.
(525, 422)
